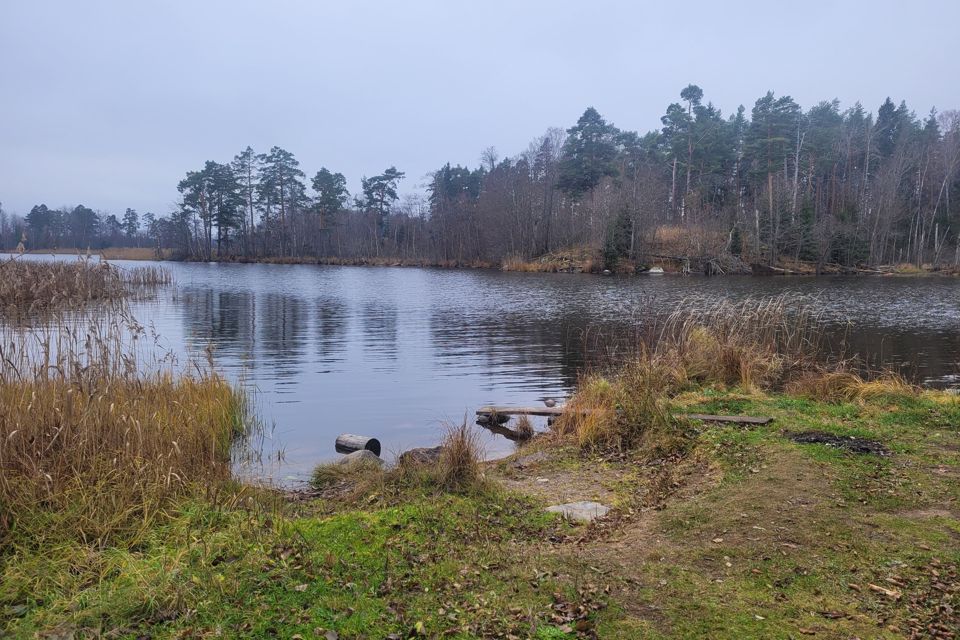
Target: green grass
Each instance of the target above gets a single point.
(762, 543)
(448, 564)
(771, 548)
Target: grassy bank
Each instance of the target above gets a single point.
(748, 535)
(838, 519)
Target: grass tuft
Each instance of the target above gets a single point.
(625, 411)
(460, 455)
(845, 386)
(524, 428)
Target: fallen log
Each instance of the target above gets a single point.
(706, 417)
(349, 442)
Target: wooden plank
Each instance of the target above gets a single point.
(738, 419)
(558, 410)
(522, 411)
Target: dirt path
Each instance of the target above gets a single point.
(781, 544)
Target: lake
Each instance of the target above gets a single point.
(397, 352)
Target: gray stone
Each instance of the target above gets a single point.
(422, 455)
(583, 511)
(364, 456)
(530, 460)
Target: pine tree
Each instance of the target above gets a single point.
(131, 223)
(281, 186)
(589, 154)
(39, 223)
(379, 194)
(246, 167)
(331, 190)
(616, 245)
(773, 125)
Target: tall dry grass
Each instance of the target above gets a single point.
(135, 253)
(846, 386)
(753, 344)
(458, 470)
(99, 443)
(29, 285)
(626, 410)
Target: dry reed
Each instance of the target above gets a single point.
(134, 253)
(97, 443)
(29, 285)
(846, 386)
(753, 344)
(524, 428)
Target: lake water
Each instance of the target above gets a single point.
(396, 352)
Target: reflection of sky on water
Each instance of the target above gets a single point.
(394, 352)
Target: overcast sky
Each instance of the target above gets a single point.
(109, 103)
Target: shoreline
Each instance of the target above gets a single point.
(546, 264)
(782, 269)
(753, 524)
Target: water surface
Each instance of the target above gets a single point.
(396, 352)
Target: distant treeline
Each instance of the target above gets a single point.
(822, 185)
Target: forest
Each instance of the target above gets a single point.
(772, 185)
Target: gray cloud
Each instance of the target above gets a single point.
(109, 103)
